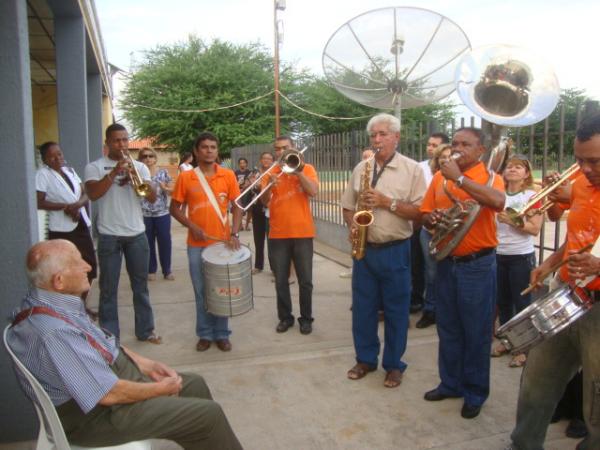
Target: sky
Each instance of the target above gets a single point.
(563, 33)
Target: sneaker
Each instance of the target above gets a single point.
(256, 270)
(151, 276)
(169, 277)
(426, 320)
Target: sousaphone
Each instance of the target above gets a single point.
(507, 86)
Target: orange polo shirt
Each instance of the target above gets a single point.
(289, 208)
(483, 231)
(583, 223)
(188, 190)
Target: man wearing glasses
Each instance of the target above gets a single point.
(121, 232)
(291, 233)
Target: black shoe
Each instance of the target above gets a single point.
(470, 411)
(305, 327)
(426, 320)
(415, 307)
(284, 325)
(576, 429)
(435, 395)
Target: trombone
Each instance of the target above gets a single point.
(291, 161)
(517, 215)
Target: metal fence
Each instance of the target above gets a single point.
(548, 145)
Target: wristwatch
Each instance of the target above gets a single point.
(235, 235)
(393, 205)
(460, 180)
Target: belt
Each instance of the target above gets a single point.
(385, 244)
(472, 256)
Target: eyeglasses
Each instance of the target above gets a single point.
(147, 155)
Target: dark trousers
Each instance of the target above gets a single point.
(282, 252)
(192, 419)
(259, 230)
(417, 269)
(158, 229)
(513, 277)
(465, 295)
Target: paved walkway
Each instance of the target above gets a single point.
(290, 391)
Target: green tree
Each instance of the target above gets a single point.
(194, 75)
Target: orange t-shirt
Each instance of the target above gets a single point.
(483, 231)
(583, 223)
(188, 190)
(289, 208)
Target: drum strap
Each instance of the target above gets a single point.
(211, 195)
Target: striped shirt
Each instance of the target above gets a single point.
(58, 354)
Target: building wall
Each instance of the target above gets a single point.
(45, 117)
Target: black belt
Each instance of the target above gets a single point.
(472, 256)
(385, 244)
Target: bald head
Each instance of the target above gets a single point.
(57, 265)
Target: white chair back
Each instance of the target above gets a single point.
(51, 435)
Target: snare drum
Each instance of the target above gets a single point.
(544, 318)
(227, 276)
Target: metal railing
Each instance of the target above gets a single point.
(548, 145)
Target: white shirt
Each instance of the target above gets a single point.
(119, 209)
(185, 166)
(512, 241)
(57, 190)
(424, 165)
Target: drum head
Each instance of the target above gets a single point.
(220, 254)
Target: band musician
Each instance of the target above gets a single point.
(465, 285)
(552, 363)
(382, 279)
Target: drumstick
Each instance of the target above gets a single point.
(554, 268)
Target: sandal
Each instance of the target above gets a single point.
(518, 360)
(153, 339)
(499, 350)
(393, 378)
(359, 371)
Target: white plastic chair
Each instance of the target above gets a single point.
(51, 435)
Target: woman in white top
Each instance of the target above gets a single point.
(186, 162)
(60, 191)
(515, 254)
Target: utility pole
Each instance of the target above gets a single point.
(278, 5)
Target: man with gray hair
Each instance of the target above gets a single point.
(104, 394)
(381, 279)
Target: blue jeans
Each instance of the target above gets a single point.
(430, 269)
(110, 251)
(159, 229)
(550, 366)
(381, 281)
(281, 253)
(465, 306)
(513, 277)
(208, 326)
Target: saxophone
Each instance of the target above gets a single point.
(363, 217)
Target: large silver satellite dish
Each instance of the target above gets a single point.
(395, 58)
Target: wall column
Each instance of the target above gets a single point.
(18, 226)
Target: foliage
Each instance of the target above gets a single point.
(193, 75)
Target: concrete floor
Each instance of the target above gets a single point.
(290, 391)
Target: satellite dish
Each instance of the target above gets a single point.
(395, 58)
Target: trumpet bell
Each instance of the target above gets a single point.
(496, 84)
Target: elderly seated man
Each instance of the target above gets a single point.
(105, 394)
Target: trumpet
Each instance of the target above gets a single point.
(291, 161)
(517, 216)
(141, 188)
